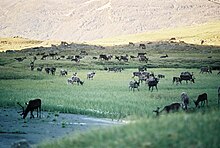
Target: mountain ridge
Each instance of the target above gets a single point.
(87, 20)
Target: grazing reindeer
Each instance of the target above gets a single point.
(171, 107)
(77, 80)
(185, 100)
(90, 75)
(202, 98)
(32, 64)
(152, 82)
(206, 70)
(177, 80)
(63, 72)
(164, 56)
(40, 68)
(31, 106)
(133, 85)
(20, 59)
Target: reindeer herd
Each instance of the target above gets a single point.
(150, 79)
(142, 74)
(202, 99)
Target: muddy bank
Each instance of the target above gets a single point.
(50, 126)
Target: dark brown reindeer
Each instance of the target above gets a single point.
(206, 70)
(152, 82)
(171, 107)
(168, 108)
(32, 64)
(31, 106)
(177, 80)
(201, 98)
(164, 56)
(20, 59)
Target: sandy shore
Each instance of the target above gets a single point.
(50, 126)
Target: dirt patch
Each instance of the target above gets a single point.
(50, 126)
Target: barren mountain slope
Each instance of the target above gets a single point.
(85, 20)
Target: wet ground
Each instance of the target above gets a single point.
(50, 126)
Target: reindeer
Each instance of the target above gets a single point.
(75, 79)
(90, 75)
(185, 100)
(40, 68)
(164, 56)
(134, 84)
(20, 59)
(152, 82)
(32, 64)
(63, 72)
(171, 107)
(31, 106)
(201, 98)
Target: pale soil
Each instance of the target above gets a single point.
(49, 127)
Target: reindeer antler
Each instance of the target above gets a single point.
(20, 105)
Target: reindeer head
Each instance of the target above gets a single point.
(157, 111)
(196, 103)
(81, 82)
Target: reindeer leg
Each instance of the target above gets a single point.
(32, 115)
(186, 107)
(40, 111)
(202, 103)
(37, 112)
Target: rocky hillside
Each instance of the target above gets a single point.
(86, 20)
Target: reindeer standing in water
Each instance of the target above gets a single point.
(31, 106)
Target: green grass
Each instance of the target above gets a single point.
(174, 130)
(108, 96)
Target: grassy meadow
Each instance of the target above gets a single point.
(174, 130)
(108, 95)
(105, 96)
